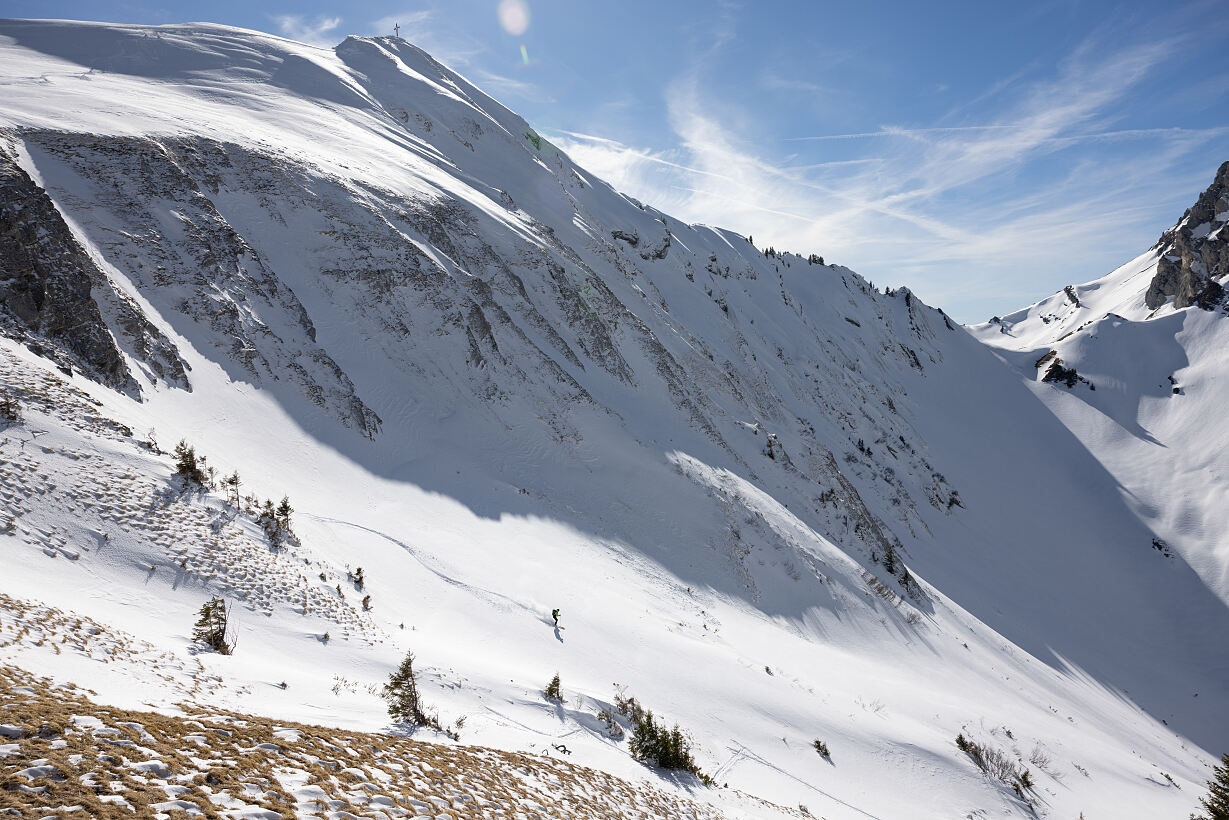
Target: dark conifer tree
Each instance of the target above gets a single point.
(1216, 804)
(211, 626)
(401, 693)
(283, 513)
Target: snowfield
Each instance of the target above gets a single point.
(774, 504)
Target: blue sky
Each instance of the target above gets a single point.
(983, 154)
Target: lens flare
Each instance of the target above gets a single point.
(524, 56)
(514, 16)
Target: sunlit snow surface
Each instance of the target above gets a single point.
(1155, 417)
(602, 447)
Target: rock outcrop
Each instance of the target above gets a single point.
(53, 296)
(1195, 252)
(45, 284)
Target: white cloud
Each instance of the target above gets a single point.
(318, 31)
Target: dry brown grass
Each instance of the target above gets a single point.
(213, 761)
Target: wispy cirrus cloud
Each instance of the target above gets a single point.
(501, 84)
(940, 205)
(317, 31)
(775, 82)
(896, 131)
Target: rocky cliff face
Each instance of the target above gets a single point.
(148, 207)
(53, 296)
(1195, 252)
(244, 251)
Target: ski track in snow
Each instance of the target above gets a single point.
(489, 596)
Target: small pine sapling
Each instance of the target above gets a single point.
(212, 627)
(189, 465)
(401, 693)
(271, 523)
(553, 692)
(821, 747)
(232, 483)
(283, 513)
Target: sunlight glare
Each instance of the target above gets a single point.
(514, 16)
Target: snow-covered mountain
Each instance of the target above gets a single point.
(1141, 358)
(774, 504)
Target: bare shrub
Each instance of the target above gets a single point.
(613, 729)
(10, 410)
(628, 707)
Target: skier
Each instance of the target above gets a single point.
(555, 614)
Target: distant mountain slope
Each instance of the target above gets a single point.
(1141, 357)
(762, 492)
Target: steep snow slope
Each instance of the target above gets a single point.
(773, 503)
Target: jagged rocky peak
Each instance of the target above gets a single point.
(1194, 254)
